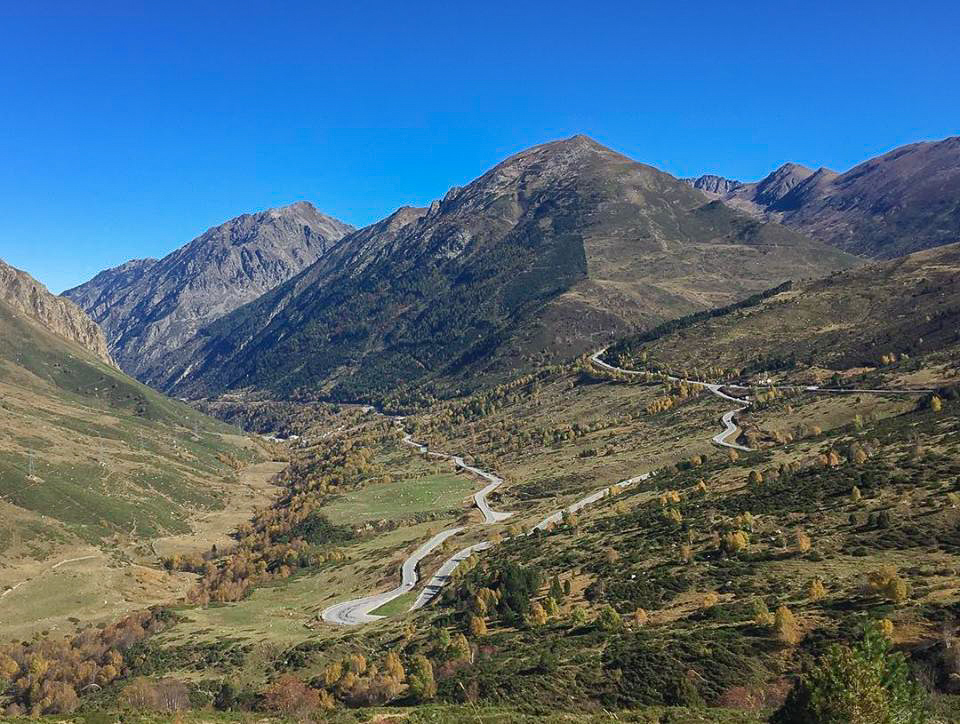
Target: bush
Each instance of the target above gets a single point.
(866, 684)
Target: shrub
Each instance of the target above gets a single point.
(866, 684)
(291, 697)
(761, 614)
(785, 625)
(609, 620)
(885, 582)
(162, 695)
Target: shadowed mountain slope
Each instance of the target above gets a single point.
(546, 255)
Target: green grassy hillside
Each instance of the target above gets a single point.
(899, 319)
(87, 452)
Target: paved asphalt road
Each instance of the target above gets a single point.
(358, 610)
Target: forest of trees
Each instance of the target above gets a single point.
(47, 676)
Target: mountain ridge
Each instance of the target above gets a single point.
(904, 200)
(150, 307)
(562, 235)
(29, 297)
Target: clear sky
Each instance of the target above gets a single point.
(128, 128)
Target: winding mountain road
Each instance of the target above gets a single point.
(358, 611)
(442, 576)
(730, 427)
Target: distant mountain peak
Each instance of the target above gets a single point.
(779, 183)
(713, 185)
(902, 201)
(148, 307)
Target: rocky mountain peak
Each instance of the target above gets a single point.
(779, 183)
(713, 185)
(149, 307)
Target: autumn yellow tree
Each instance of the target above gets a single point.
(332, 673)
(786, 627)
(478, 627)
(735, 541)
(394, 666)
(538, 616)
(816, 590)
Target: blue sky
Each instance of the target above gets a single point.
(127, 128)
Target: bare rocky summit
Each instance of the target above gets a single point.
(714, 186)
(27, 296)
(149, 308)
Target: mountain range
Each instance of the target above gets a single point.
(902, 201)
(553, 251)
(763, 422)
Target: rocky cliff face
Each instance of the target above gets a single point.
(29, 297)
(149, 308)
(712, 185)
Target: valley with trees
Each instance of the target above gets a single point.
(578, 442)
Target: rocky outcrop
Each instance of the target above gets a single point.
(29, 297)
(149, 308)
(712, 185)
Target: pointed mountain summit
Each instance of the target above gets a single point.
(151, 307)
(545, 256)
(781, 182)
